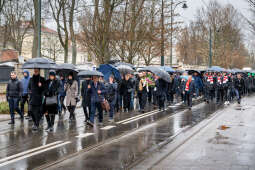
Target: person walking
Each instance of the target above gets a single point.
(86, 99)
(126, 90)
(97, 91)
(189, 91)
(35, 88)
(162, 88)
(71, 89)
(111, 96)
(62, 95)
(239, 86)
(24, 98)
(51, 100)
(13, 95)
(143, 89)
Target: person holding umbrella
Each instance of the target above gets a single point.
(189, 91)
(36, 87)
(62, 95)
(71, 89)
(51, 99)
(143, 88)
(111, 96)
(161, 88)
(86, 98)
(97, 91)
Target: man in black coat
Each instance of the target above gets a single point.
(36, 87)
(13, 95)
(86, 98)
(162, 88)
(239, 87)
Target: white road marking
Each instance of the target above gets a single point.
(29, 151)
(141, 117)
(107, 127)
(138, 130)
(84, 135)
(135, 117)
(34, 153)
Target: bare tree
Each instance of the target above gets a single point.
(15, 13)
(2, 2)
(227, 40)
(96, 30)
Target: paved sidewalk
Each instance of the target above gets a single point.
(216, 149)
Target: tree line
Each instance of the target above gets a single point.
(129, 30)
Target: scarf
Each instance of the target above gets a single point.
(219, 80)
(225, 79)
(70, 82)
(187, 85)
(210, 79)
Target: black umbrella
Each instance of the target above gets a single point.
(157, 71)
(89, 73)
(65, 68)
(40, 62)
(125, 69)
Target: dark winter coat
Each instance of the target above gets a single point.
(14, 88)
(86, 96)
(36, 92)
(52, 89)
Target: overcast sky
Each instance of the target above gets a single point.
(189, 14)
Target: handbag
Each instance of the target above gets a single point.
(105, 105)
(51, 100)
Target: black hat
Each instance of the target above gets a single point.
(70, 74)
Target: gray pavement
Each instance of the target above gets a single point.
(213, 148)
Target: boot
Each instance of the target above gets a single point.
(12, 122)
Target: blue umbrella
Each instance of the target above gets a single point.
(108, 70)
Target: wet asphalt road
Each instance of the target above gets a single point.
(112, 146)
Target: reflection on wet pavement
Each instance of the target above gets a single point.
(98, 144)
(121, 153)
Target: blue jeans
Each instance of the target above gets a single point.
(14, 106)
(238, 95)
(94, 106)
(197, 92)
(132, 101)
(112, 107)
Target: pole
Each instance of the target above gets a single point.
(39, 28)
(210, 48)
(162, 36)
(171, 35)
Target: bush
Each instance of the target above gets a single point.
(4, 108)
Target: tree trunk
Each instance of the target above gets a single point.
(72, 34)
(35, 26)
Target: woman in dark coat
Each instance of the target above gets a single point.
(51, 92)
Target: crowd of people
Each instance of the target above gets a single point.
(61, 93)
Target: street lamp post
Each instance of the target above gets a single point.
(171, 27)
(39, 28)
(162, 35)
(210, 48)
